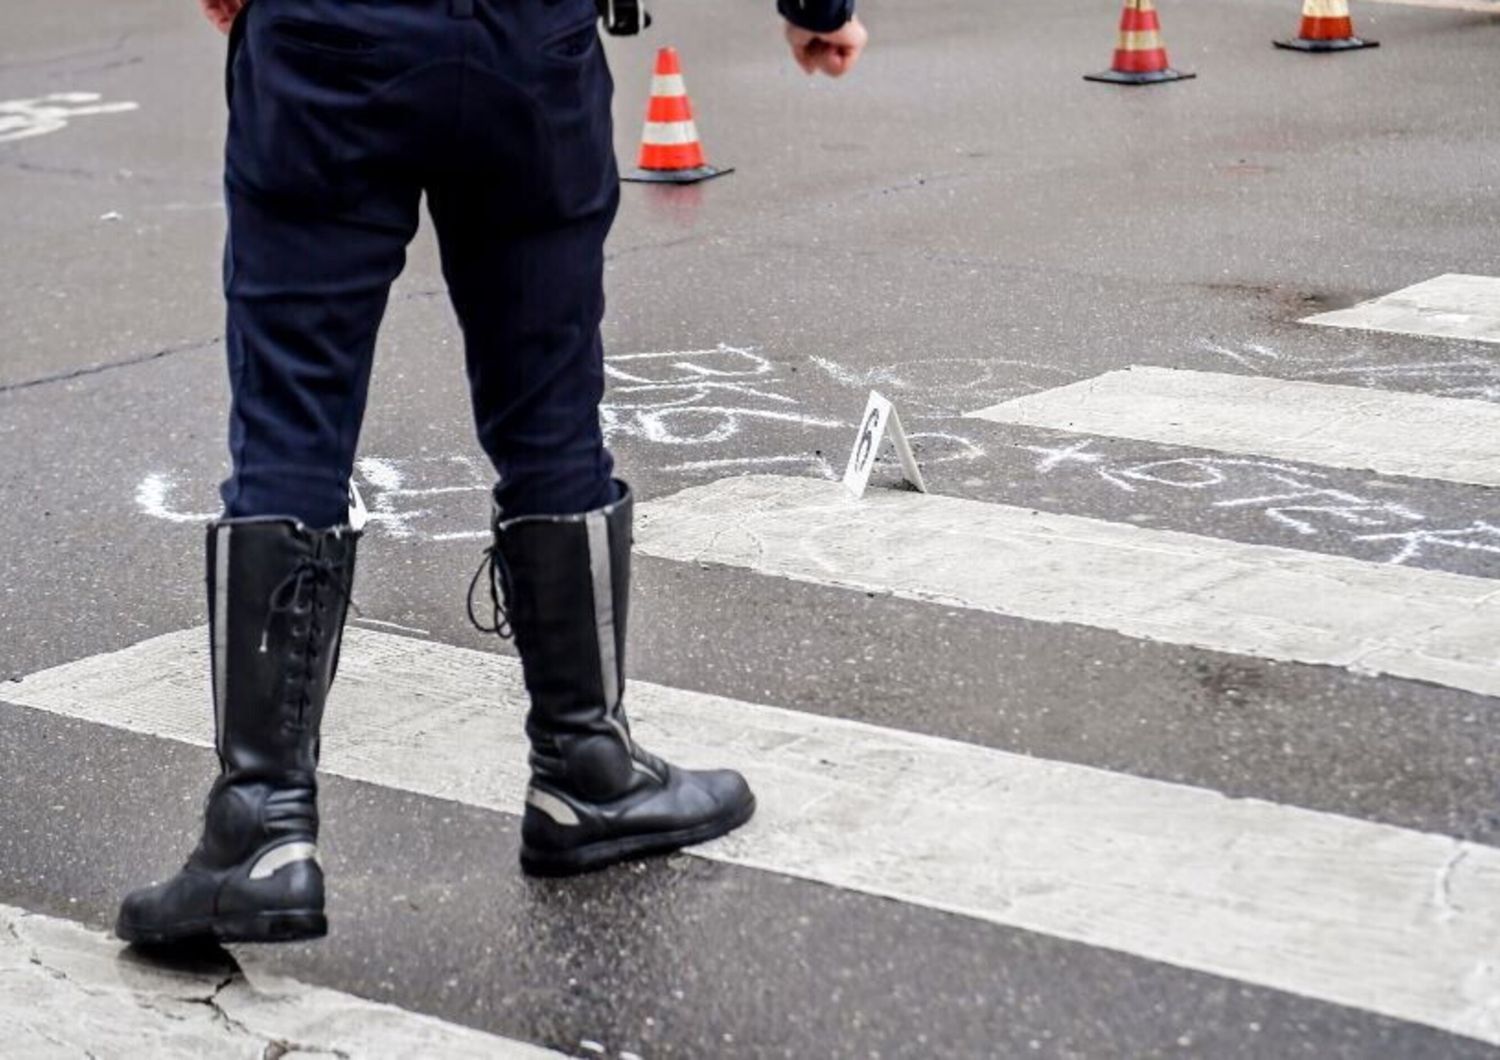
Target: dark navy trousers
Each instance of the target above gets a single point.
(343, 114)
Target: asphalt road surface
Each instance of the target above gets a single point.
(1163, 726)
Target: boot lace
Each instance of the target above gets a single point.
(309, 572)
(498, 573)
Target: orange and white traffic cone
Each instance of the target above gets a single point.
(1140, 58)
(1326, 27)
(670, 150)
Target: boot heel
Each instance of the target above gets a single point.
(272, 927)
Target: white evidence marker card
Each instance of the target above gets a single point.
(1367, 915)
(880, 416)
(1453, 306)
(1417, 435)
(1161, 585)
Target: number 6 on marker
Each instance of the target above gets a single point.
(880, 415)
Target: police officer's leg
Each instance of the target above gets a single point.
(531, 300)
(306, 277)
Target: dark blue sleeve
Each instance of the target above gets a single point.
(820, 16)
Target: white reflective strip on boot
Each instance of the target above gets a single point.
(604, 613)
(555, 808)
(273, 861)
(220, 634)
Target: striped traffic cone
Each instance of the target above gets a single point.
(670, 150)
(1326, 27)
(1140, 58)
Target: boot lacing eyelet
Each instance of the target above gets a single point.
(291, 595)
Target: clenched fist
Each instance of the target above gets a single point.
(221, 12)
(833, 53)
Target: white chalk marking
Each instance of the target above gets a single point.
(390, 480)
(24, 118)
(818, 464)
(672, 397)
(1376, 917)
(697, 390)
(937, 383)
(1204, 473)
(152, 496)
(381, 473)
(75, 992)
(1478, 536)
(1054, 457)
(1339, 426)
(1251, 355)
(674, 425)
(1454, 306)
(1346, 507)
(860, 378)
(1155, 584)
(962, 448)
(739, 362)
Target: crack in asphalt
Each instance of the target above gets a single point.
(275, 1048)
(99, 369)
(212, 1001)
(22, 165)
(1443, 894)
(12, 159)
(92, 51)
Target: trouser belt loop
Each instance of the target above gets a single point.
(463, 8)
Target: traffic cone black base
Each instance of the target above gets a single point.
(676, 176)
(1347, 44)
(1155, 77)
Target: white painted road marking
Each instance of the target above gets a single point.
(1338, 426)
(1487, 6)
(1380, 918)
(1157, 584)
(21, 119)
(71, 991)
(1454, 306)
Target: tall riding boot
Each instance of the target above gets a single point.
(278, 594)
(596, 796)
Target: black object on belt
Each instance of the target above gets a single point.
(623, 18)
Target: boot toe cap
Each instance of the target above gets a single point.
(141, 915)
(729, 790)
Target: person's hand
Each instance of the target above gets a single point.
(833, 53)
(221, 12)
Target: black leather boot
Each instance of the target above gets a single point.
(278, 594)
(596, 796)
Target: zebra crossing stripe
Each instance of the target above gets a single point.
(1489, 7)
(1339, 426)
(1454, 306)
(1157, 585)
(71, 991)
(1367, 915)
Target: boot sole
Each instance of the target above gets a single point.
(286, 926)
(606, 852)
